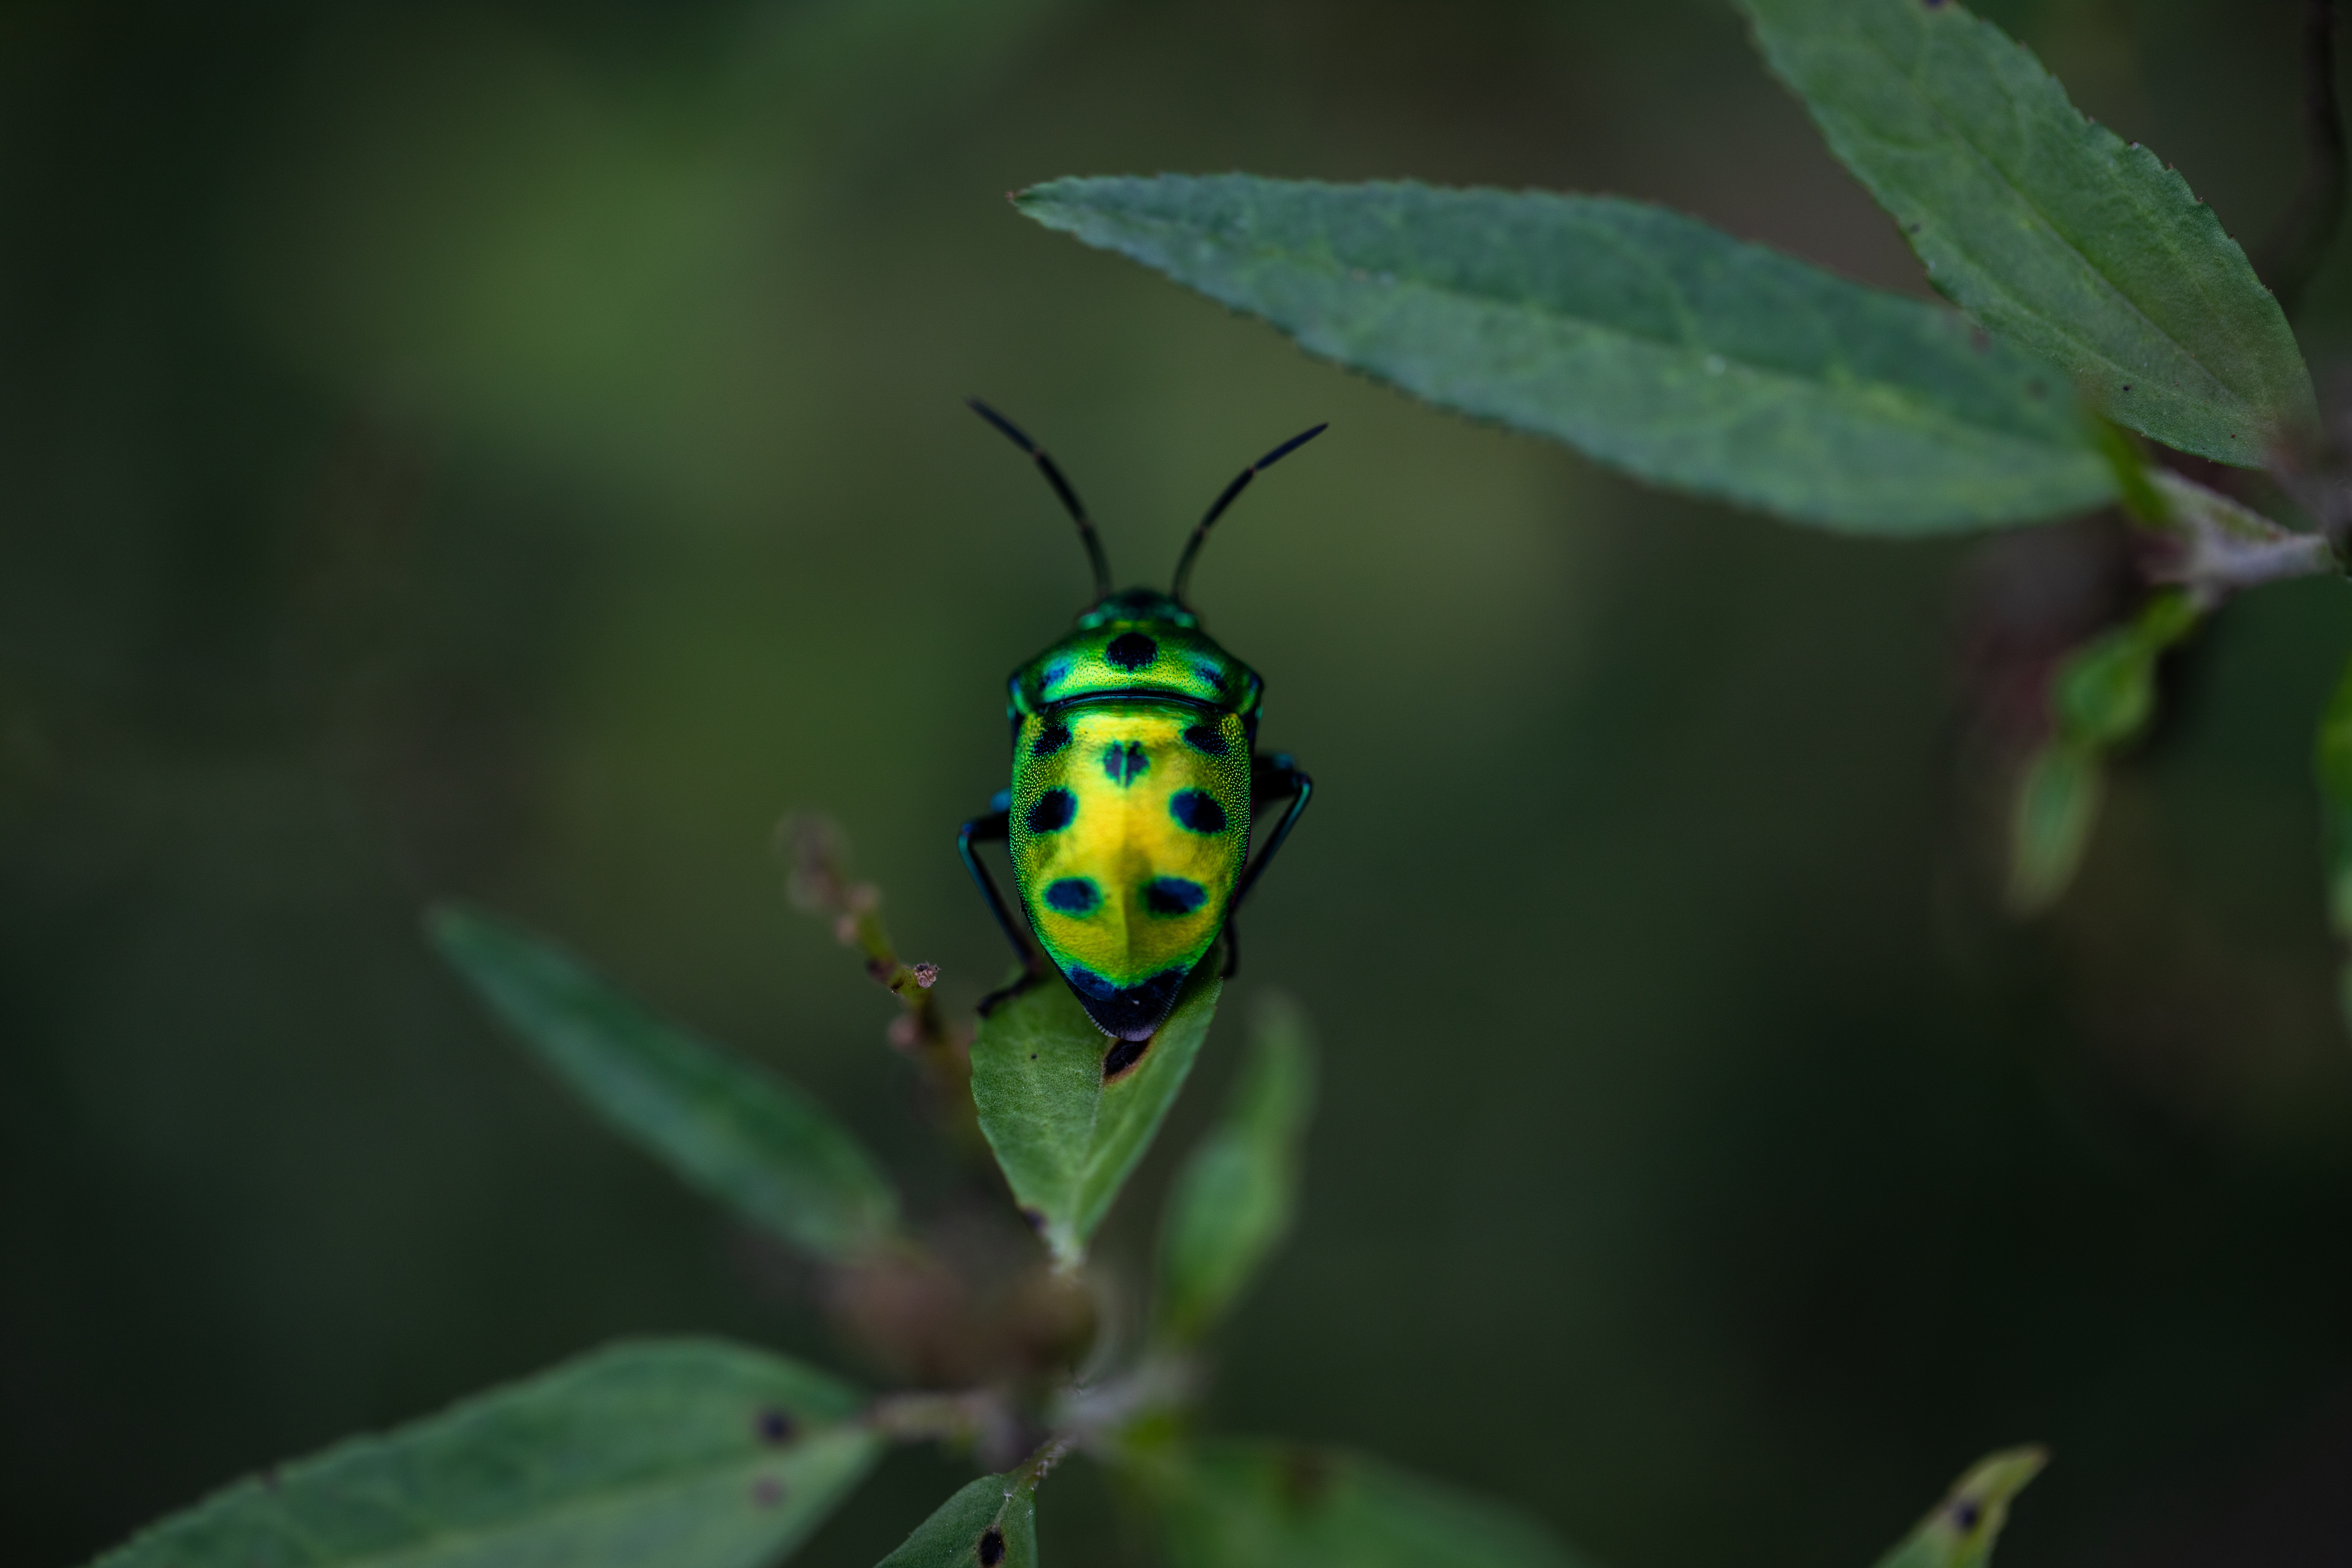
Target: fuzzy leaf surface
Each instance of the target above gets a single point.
(731, 1128)
(991, 1523)
(689, 1453)
(1961, 1531)
(1642, 338)
(1067, 1137)
(2046, 225)
(1233, 1200)
(1240, 1503)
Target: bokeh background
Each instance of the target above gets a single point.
(513, 449)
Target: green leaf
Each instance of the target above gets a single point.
(1238, 1504)
(2100, 698)
(733, 1130)
(1961, 1531)
(1231, 1202)
(689, 1453)
(1067, 1137)
(2048, 228)
(2333, 763)
(992, 1523)
(1642, 338)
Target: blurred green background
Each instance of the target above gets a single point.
(514, 450)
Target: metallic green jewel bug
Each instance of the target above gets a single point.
(1136, 780)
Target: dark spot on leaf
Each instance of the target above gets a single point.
(2128, 386)
(1052, 736)
(1305, 1478)
(1131, 650)
(1124, 761)
(1123, 1054)
(1966, 1513)
(1036, 1218)
(1206, 739)
(1173, 895)
(1073, 896)
(1980, 339)
(2036, 389)
(1051, 810)
(1915, 228)
(775, 1426)
(992, 1547)
(767, 1491)
(1198, 810)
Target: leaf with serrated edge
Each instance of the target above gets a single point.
(1641, 338)
(2045, 224)
(1066, 1140)
(1231, 1202)
(991, 1523)
(733, 1130)
(689, 1453)
(1961, 1531)
(1239, 1503)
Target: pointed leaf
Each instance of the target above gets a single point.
(1640, 337)
(689, 1453)
(1066, 1136)
(1961, 1530)
(1252, 1504)
(731, 1128)
(2044, 224)
(991, 1523)
(1232, 1202)
(2100, 698)
(2332, 764)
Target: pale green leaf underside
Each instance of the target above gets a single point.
(1247, 1504)
(1961, 1531)
(689, 1453)
(733, 1130)
(957, 1533)
(1066, 1140)
(1642, 338)
(1231, 1202)
(2046, 225)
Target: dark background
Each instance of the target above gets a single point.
(514, 450)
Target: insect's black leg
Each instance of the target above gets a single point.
(996, 827)
(1271, 779)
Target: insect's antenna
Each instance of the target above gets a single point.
(1077, 509)
(1240, 483)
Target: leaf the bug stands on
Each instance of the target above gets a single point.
(1643, 339)
(2332, 760)
(733, 1130)
(2046, 225)
(1231, 1202)
(993, 1523)
(689, 1453)
(1961, 1531)
(1068, 1110)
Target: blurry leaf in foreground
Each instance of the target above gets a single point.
(1239, 1503)
(730, 1127)
(2046, 225)
(1231, 1202)
(2333, 763)
(1640, 337)
(992, 1522)
(1961, 1530)
(1066, 1135)
(689, 1453)
(2100, 697)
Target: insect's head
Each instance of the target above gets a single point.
(1138, 603)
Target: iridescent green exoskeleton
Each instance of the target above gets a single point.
(1136, 780)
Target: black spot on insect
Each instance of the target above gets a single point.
(1051, 810)
(1173, 895)
(992, 1547)
(1206, 739)
(1966, 1513)
(1198, 810)
(1122, 1056)
(1073, 896)
(1052, 736)
(1212, 675)
(767, 1491)
(1131, 650)
(1124, 762)
(775, 1426)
